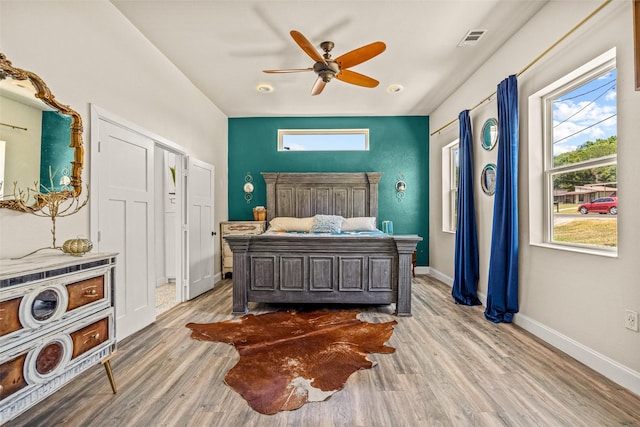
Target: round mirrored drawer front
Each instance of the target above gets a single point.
(48, 359)
(43, 306)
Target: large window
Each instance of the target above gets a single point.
(450, 176)
(579, 195)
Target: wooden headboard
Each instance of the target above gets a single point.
(303, 195)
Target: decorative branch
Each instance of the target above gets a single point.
(49, 203)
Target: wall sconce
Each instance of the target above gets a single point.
(248, 187)
(401, 185)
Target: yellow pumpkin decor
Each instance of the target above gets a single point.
(77, 247)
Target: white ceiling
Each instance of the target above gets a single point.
(222, 46)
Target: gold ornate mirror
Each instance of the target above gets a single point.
(40, 139)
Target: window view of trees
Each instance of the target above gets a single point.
(605, 175)
(582, 168)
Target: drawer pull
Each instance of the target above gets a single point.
(242, 227)
(95, 336)
(91, 293)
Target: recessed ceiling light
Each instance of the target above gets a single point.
(395, 88)
(264, 88)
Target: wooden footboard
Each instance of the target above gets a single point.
(322, 269)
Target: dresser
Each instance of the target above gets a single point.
(56, 321)
(235, 228)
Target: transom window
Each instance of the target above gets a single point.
(323, 139)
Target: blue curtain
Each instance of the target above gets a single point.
(465, 282)
(502, 293)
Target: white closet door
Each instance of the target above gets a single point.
(126, 221)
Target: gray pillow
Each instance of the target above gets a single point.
(326, 224)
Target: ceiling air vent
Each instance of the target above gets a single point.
(471, 38)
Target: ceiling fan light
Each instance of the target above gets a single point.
(264, 88)
(395, 88)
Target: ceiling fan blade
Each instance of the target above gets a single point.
(318, 86)
(288, 70)
(358, 56)
(354, 78)
(307, 46)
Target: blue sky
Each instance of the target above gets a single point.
(324, 141)
(585, 114)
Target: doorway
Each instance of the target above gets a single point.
(167, 228)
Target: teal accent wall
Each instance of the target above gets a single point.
(55, 152)
(397, 145)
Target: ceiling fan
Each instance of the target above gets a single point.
(327, 68)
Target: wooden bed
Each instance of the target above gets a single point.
(322, 269)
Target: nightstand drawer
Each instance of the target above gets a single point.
(242, 228)
(85, 292)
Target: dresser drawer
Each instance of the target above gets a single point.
(85, 292)
(90, 336)
(10, 316)
(11, 376)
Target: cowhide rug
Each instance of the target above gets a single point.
(289, 358)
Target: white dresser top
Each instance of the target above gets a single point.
(42, 262)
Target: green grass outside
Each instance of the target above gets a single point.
(588, 231)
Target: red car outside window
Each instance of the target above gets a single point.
(600, 205)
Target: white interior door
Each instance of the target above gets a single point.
(125, 221)
(200, 226)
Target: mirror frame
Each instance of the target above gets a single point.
(44, 94)
(488, 186)
(487, 141)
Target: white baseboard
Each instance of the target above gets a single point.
(616, 372)
(216, 278)
(441, 277)
(422, 270)
(600, 363)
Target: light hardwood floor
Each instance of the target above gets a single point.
(451, 368)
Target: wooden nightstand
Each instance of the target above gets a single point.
(236, 227)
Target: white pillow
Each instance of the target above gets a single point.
(327, 224)
(361, 223)
(286, 223)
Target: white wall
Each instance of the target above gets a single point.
(22, 146)
(575, 301)
(88, 53)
